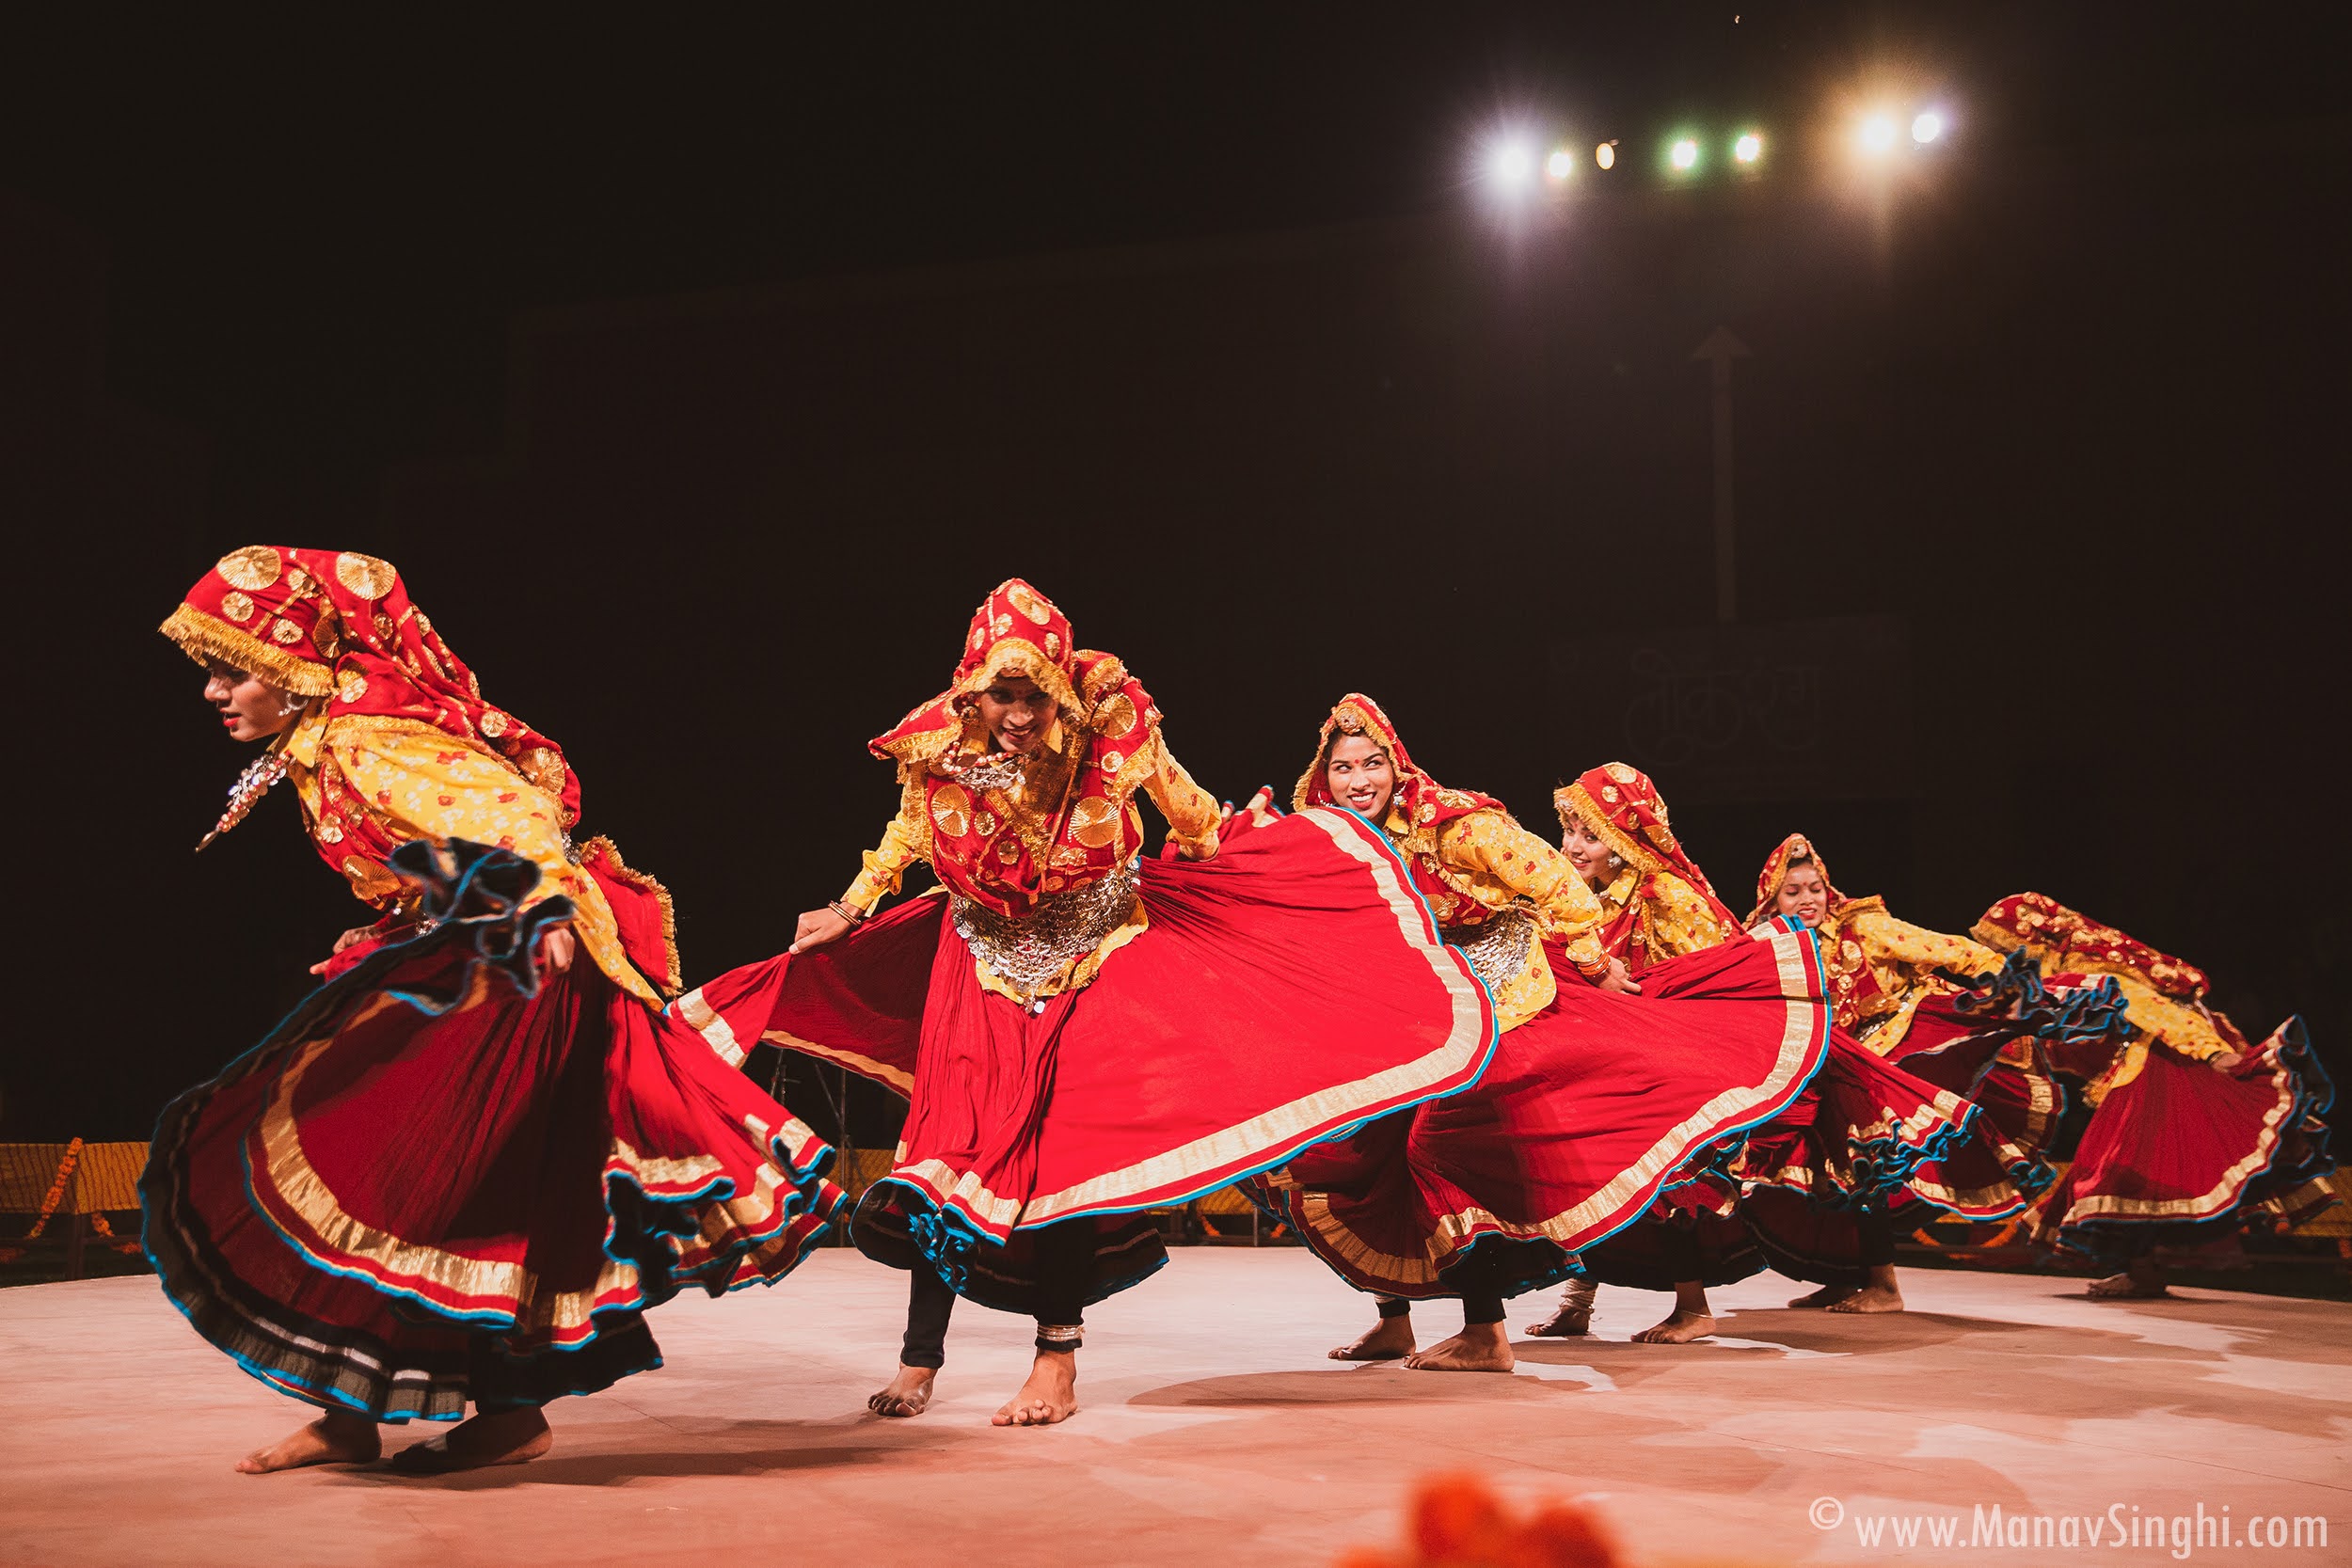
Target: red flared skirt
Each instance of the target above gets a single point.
(393, 1210)
(1282, 993)
(2184, 1155)
(1592, 1111)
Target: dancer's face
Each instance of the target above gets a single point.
(1017, 714)
(1359, 775)
(1587, 851)
(1803, 893)
(251, 709)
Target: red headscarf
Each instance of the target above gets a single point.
(2072, 942)
(1796, 846)
(1109, 729)
(1625, 812)
(338, 626)
(1425, 803)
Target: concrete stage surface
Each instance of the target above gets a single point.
(1213, 1431)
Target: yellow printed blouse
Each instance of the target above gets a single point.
(1483, 862)
(1193, 818)
(1882, 969)
(367, 784)
(1671, 919)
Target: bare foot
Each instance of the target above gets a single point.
(2127, 1286)
(505, 1438)
(1873, 1297)
(1388, 1340)
(1479, 1348)
(1679, 1328)
(907, 1394)
(1573, 1318)
(1050, 1394)
(337, 1437)
(1828, 1295)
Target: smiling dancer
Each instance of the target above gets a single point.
(1604, 1096)
(1811, 1184)
(1085, 1035)
(462, 1171)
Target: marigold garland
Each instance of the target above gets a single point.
(49, 1206)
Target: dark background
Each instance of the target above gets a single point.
(701, 378)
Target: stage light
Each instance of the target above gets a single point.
(1684, 155)
(1748, 149)
(1877, 135)
(1561, 164)
(1511, 164)
(1606, 154)
(1926, 127)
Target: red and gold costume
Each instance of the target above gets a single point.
(1660, 905)
(1085, 1034)
(1919, 1126)
(2182, 1147)
(1596, 1105)
(445, 1179)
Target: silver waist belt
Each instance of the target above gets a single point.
(1028, 951)
(1497, 946)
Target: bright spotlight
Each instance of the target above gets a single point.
(1926, 127)
(1606, 154)
(1877, 135)
(1561, 164)
(1684, 155)
(1511, 164)
(1748, 149)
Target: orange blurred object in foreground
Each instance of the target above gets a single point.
(1459, 1523)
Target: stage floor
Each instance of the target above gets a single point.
(1213, 1431)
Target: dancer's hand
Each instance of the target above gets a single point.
(818, 927)
(556, 946)
(1620, 979)
(352, 937)
(2229, 1061)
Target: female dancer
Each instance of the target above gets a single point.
(1084, 1035)
(327, 1212)
(1953, 1013)
(1599, 1099)
(1810, 1187)
(2193, 1130)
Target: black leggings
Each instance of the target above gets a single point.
(1876, 1233)
(1480, 1306)
(1065, 1260)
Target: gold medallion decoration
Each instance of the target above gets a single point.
(1008, 849)
(254, 566)
(1028, 603)
(1620, 772)
(985, 824)
(297, 580)
(237, 607)
(1053, 644)
(494, 723)
(1003, 624)
(323, 637)
(1112, 761)
(285, 631)
(364, 574)
(1116, 717)
(1094, 822)
(546, 770)
(951, 810)
(350, 685)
